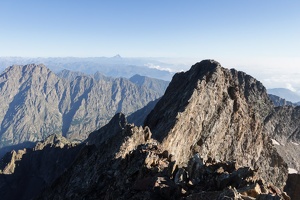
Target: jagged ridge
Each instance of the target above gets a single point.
(218, 113)
(35, 103)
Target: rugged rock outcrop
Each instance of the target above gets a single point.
(284, 129)
(293, 186)
(25, 173)
(285, 93)
(35, 103)
(124, 162)
(278, 101)
(218, 113)
(100, 166)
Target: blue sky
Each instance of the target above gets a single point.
(250, 35)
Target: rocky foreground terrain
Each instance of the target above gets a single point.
(35, 102)
(209, 137)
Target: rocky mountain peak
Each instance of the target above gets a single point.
(205, 65)
(209, 109)
(28, 69)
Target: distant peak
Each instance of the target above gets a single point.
(117, 56)
(207, 64)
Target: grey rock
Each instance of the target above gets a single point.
(285, 94)
(283, 127)
(278, 101)
(218, 113)
(154, 84)
(139, 116)
(35, 103)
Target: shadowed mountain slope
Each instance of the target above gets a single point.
(35, 103)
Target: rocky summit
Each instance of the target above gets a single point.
(218, 113)
(208, 137)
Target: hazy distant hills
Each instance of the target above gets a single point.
(285, 94)
(35, 102)
(116, 66)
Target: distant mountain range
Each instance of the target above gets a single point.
(35, 102)
(285, 94)
(116, 66)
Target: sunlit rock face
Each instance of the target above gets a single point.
(218, 113)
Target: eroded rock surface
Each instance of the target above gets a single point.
(36, 103)
(278, 101)
(218, 113)
(284, 129)
(124, 162)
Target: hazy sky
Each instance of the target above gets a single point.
(257, 36)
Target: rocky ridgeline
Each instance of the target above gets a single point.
(220, 114)
(35, 102)
(25, 173)
(206, 138)
(129, 164)
(278, 101)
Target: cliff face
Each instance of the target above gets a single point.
(35, 103)
(284, 129)
(218, 113)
